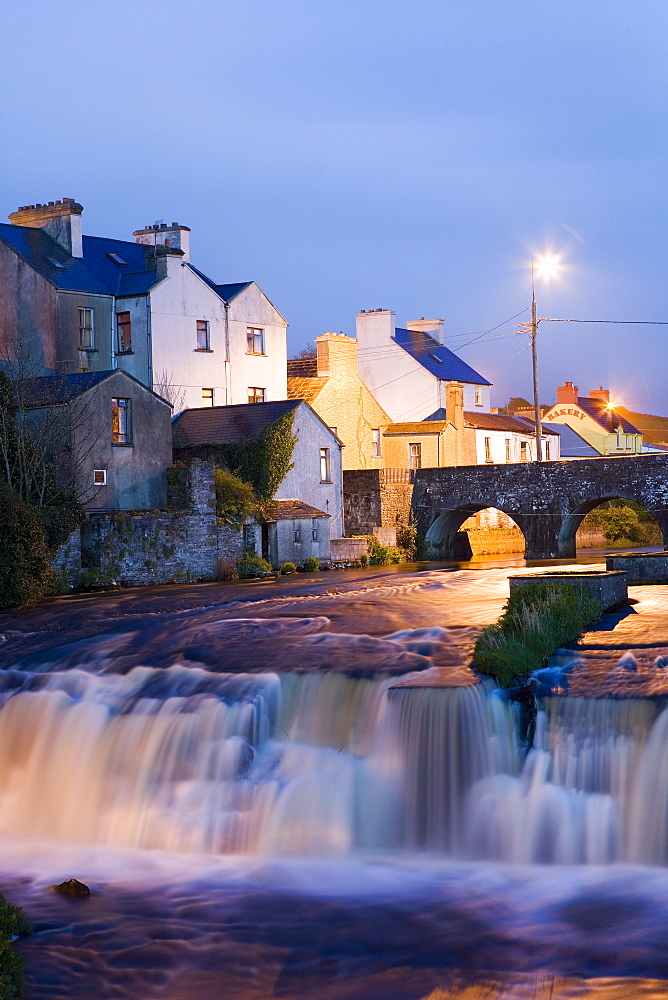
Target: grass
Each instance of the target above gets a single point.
(536, 620)
(13, 923)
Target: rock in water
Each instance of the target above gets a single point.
(73, 888)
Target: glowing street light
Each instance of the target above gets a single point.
(546, 266)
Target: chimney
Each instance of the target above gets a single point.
(60, 219)
(174, 237)
(375, 328)
(432, 326)
(336, 352)
(600, 393)
(567, 393)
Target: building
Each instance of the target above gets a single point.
(70, 302)
(331, 385)
(307, 509)
(501, 439)
(408, 370)
(108, 435)
(595, 420)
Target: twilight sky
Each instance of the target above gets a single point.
(355, 154)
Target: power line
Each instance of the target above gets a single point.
(613, 322)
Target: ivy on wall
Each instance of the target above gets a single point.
(264, 462)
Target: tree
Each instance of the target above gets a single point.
(166, 387)
(235, 500)
(307, 353)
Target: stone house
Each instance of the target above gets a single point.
(108, 434)
(307, 509)
(71, 302)
(331, 385)
(595, 421)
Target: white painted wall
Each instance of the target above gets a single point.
(176, 304)
(497, 440)
(303, 481)
(251, 307)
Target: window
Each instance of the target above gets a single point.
(86, 329)
(120, 421)
(298, 536)
(524, 451)
(254, 340)
(415, 456)
(117, 259)
(509, 454)
(99, 477)
(314, 533)
(488, 450)
(375, 442)
(203, 335)
(124, 332)
(478, 395)
(207, 397)
(325, 467)
(546, 446)
(334, 430)
(255, 394)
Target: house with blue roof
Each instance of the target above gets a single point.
(71, 302)
(409, 369)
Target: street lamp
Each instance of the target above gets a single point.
(547, 265)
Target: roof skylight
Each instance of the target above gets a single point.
(435, 357)
(56, 263)
(117, 259)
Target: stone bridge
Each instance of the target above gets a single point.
(546, 500)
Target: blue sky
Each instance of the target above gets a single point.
(353, 155)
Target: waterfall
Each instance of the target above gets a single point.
(188, 760)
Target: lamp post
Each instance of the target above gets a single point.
(534, 363)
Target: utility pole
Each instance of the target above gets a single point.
(534, 361)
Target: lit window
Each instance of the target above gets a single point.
(478, 395)
(99, 477)
(124, 331)
(202, 335)
(334, 430)
(524, 451)
(120, 421)
(207, 397)
(375, 443)
(255, 394)
(509, 456)
(325, 466)
(415, 456)
(488, 450)
(86, 329)
(254, 340)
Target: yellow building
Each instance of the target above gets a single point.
(331, 385)
(595, 421)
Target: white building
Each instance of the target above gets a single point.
(501, 440)
(408, 370)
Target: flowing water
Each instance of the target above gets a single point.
(337, 816)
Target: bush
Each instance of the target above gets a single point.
(25, 574)
(235, 499)
(312, 565)
(382, 555)
(536, 620)
(13, 922)
(226, 570)
(250, 566)
(287, 569)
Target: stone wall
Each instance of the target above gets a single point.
(141, 548)
(67, 562)
(371, 500)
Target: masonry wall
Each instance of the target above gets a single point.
(371, 500)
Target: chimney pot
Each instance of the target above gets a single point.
(567, 393)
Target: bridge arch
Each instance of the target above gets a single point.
(441, 535)
(572, 521)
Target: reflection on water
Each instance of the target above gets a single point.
(277, 805)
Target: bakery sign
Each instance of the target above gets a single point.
(565, 411)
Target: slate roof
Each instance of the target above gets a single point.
(291, 510)
(572, 445)
(501, 422)
(305, 388)
(96, 271)
(48, 390)
(417, 427)
(610, 419)
(220, 424)
(437, 359)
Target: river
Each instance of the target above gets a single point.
(301, 790)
